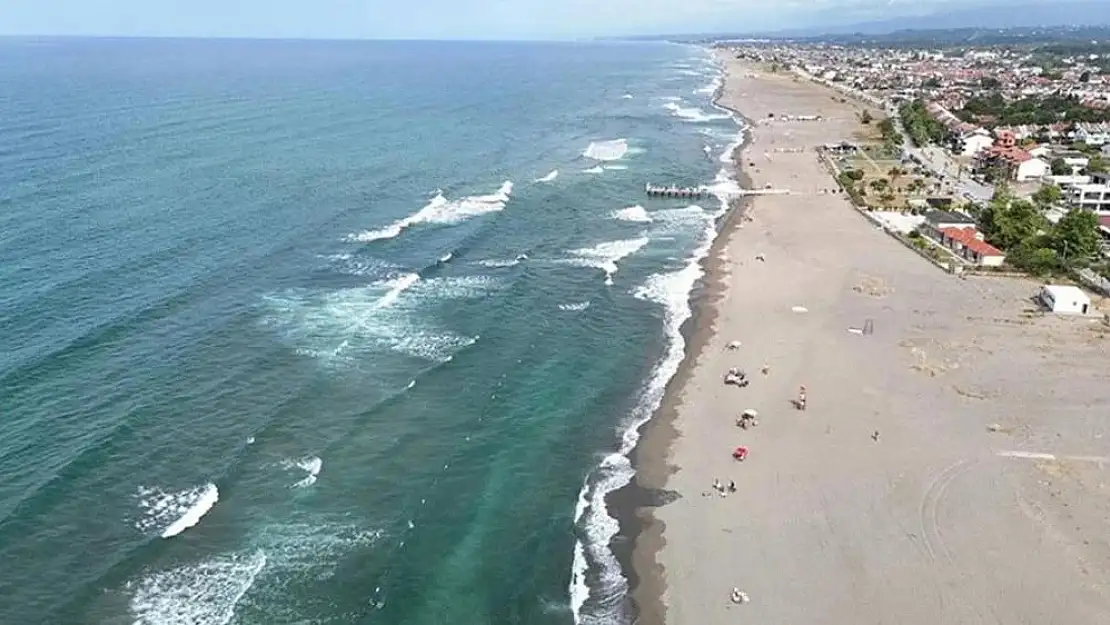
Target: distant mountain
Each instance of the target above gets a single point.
(994, 15)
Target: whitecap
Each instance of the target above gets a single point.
(627, 96)
(311, 465)
(693, 114)
(205, 593)
(633, 213)
(575, 307)
(549, 177)
(594, 170)
(168, 513)
(396, 287)
(499, 263)
(441, 211)
(612, 150)
(605, 256)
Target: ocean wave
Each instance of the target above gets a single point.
(198, 594)
(310, 465)
(575, 307)
(612, 150)
(633, 213)
(693, 113)
(337, 327)
(605, 256)
(441, 211)
(168, 513)
(594, 170)
(627, 96)
(596, 529)
(397, 286)
(499, 263)
(601, 599)
(549, 177)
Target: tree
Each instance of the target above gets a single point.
(1007, 222)
(865, 117)
(1085, 77)
(880, 184)
(1076, 237)
(1060, 167)
(989, 82)
(1097, 164)
(1047, 195)
(895, 173)
(1033, 257)
(854, 174)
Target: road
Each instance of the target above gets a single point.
(936, 160)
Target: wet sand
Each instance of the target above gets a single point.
(946, 518)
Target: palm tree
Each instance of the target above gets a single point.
(895, 173)
(879, 184)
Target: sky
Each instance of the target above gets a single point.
(434, 19)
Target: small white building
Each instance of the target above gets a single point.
(1032, 169)
(1065, 299)
(975, 142)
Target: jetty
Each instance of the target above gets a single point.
(672, 191)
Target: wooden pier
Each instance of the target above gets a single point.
(702, 192)
(679, 192)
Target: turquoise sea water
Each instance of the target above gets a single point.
(326, 332)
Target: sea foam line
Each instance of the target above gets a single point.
(671, 291)
(441, 211)
(605, 256)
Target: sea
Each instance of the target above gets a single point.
(323, 332)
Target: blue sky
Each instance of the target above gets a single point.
(436, 19)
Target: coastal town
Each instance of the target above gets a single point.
(974, 139)
(863, 437)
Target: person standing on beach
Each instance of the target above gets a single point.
(802, 397)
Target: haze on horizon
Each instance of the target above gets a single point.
(440, 19)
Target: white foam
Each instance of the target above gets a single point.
(397, 286)
(339, 327)
(693, 113)
(575, 307)
(197, 594)
(633, 213)
(549, 177)
(615, 167)
(498, 263)
(671, 291)
(605, 256)
(168, 513)
(594, 170)
(441, 211)
(311, 465)
(612, 150)
(627, 96)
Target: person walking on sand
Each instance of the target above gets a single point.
(802, 397)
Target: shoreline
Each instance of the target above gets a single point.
(641, 534)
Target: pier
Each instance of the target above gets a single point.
(702, 192)
(679, 192)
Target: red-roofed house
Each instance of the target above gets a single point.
(968, 243)
(1019, 164)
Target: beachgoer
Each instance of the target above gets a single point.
(731, 486)
(875, 436)
(802, 397)
(717, 485)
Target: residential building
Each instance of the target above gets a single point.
(1093, 134)
(1065, 299)
(1092, 197)
(1031, 169)
(974, 142)
(968, 243)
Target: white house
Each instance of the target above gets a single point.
(1106, 150)
(975, 142)
(1032, 169)
(1092, 197)
(1041, 151)
(1065, 299)
(1076, 162)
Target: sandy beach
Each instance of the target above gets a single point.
(984, 498)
